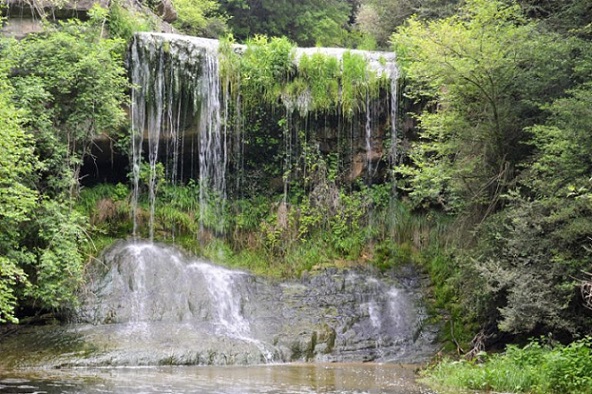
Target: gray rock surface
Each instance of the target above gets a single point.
(152, 305)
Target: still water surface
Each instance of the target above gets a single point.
(270, 379)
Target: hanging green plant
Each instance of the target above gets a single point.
(269, 71)
(266, 67)
(320, 73)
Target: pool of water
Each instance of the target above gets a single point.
(270, 379)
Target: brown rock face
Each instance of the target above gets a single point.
(166, 11)
(24, 16)
(47, 8)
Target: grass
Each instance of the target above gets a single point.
(538, 368)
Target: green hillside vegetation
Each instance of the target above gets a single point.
(493, 195)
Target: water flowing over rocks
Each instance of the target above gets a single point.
(151, 304)
(188, 120)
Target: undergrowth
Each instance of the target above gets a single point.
(267, 236)
(538, 368)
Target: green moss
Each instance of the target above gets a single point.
(266, 66)
(389, 254)
(319, 75)
(166, 47)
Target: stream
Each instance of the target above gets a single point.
(275, 378)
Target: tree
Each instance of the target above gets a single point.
(17, 198)
(566, 16)
(71, 84)
(58, 90)
(200, 17)
(535, 252)
(379, 19)
(482, 74)
(307, 22)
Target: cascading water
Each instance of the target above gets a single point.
(182, 128)
(138, 126)
(137, 283)
(203, 314)
(221, 285)
(149, 304)
(394, 105)
(176, 100)
(192, 308)
(368, 129)
(212, 143)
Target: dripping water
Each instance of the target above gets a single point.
(212, 146)
(394, 153)
(179, 98)
(139, 68)
(155, 125)
(176, 97)
(368, 138)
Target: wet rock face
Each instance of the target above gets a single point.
(152, 305)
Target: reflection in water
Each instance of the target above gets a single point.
(270, 379)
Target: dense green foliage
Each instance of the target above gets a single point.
(379, 18)
(17, 198)
(200, 17)
(307, 22)
(494, 194)
(537, 248)
(473, 66)
(60, 90)
(504, 149)
(71, 84)
(566, 16)
(267, 70)
(536, 368)
(124, 22)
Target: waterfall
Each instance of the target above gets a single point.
(151, 304)
(187, 125)
(394, 106)
(155, 127)
(212, 145)
(137, 284)
(176, 98)
(138, 70)
(368, 137)
(222, 286)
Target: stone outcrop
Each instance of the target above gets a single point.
(151, 305)
(166, 11)
(25, 16)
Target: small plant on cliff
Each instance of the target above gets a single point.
(200, 17)
(123, 23)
